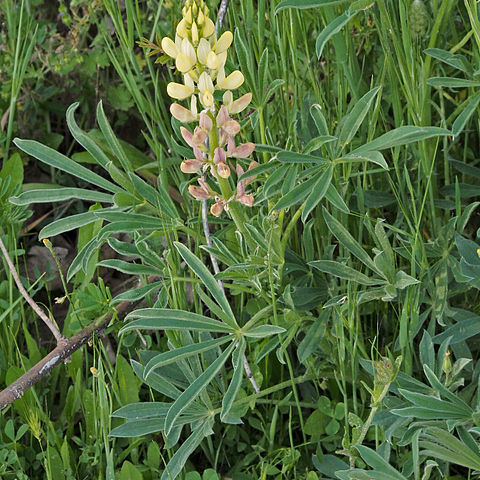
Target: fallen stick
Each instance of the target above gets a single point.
(60, 353)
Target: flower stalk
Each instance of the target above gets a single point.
(200, 57)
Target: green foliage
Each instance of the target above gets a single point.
(351, 293)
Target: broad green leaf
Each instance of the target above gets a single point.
(443, 445)
(158, 382)
(369, 156)
(319, 190)
(136, 220)
(266, 167)
(67, 224)
(85, 140)
(289, 156)
(48, 195)
(302, 4)
(462, 330)
(317, 142)
(452, 59)
(55, 159)
(443, 390)
(401, 136)
(346, 239)
(261, 148)
(177, 462)
(336, 200)
(12, 169)
(137, 293)
(208, 280)
(470, 108)
(374, 460)
(263, 331)
(299, 192)
(129, 267)
(112, 140)
(331, 29)
(168, 319)
(343, 271)
(137, 428)
(403, 280)
(129, 472)
(181, 353)
(313, 337)
(236, 382)
(354, 119)
(195, 389)
(451, 82)
(142, 410)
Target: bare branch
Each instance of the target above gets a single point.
(53, 328)
(63, 350)
(222, 11)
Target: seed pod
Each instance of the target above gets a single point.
(419, 19)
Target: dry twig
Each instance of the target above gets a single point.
(53, 328)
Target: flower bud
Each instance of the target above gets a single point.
(190, 166)
(219, 156)
(223, 170)
(198, 192)
(246, 199)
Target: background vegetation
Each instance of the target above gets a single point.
(364, 250)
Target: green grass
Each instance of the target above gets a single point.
(372, 281)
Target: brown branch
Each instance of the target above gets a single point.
(53, 328)
(222, 11)
(60, 353)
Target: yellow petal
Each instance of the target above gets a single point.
(183, 63)
(181, 113)
(224, 42)
(168, 46)
(233, 81)
(208, 28)
(205, 83)
(240, 104)
(212, 61)
(178, 91)
(182, 31)
(203, 50)
(206, 99)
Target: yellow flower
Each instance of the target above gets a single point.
(232, 82)
(223, 42)
(179, 91)
(186, 58)
(206, 88)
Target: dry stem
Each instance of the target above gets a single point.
(53, 328)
